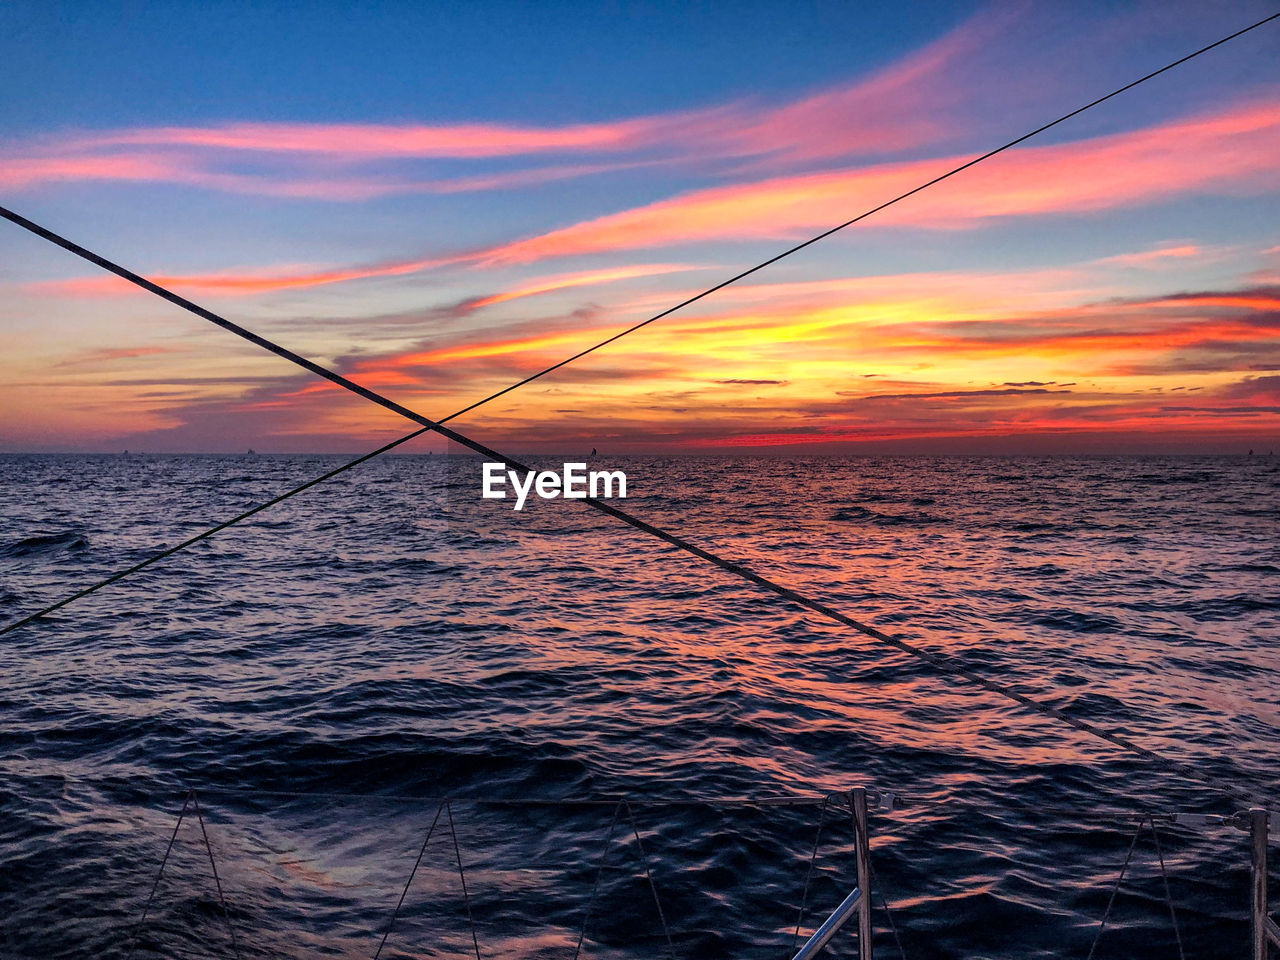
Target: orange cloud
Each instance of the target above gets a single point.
(109, 354)
(909, 357)
(253, 282)
(810, 334)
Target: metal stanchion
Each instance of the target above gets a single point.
(1265, 930)
(862, 843)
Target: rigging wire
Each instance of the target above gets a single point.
(409, 882)
(164, 862)
(808, 876)
(1115, 889)
(160, 291)
(595, 885)
(213, 866)
(648, 874)
(940, 662)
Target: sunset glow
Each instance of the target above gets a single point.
(1116, 281)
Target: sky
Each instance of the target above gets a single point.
(439, 200)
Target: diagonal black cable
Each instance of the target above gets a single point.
(595, 886)
(1168, 894)
(217, 882)
(204, 535)
(808, 875)
(159, 291)
(874, 210)
(648, 874)
(409, 882)
(462, 876)
(938, 661)
(1111, 901)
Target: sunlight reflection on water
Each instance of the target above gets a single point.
(392, 633)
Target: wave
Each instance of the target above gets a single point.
(863, 515)
(45, 545)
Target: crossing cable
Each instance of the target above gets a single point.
(164, 861)
(462, 877)
(226, 914)
(653, 887)
(409, 882)
(159, 291)
(1168, 895)
(808, 876)
(1111, 902)
(940, 662)
(884, 901)
(595, 886)
(191, 541)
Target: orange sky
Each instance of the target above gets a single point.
(1117, 283)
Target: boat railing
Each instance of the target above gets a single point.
(852, 917)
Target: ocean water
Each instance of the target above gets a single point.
(325, 675)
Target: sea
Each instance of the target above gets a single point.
(390, 718)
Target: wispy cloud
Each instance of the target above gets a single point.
(109, 355)
(906, 104)
(1224, 153)
(1228, 152)
(1168, 254)
(566, 281)
(1129, 356)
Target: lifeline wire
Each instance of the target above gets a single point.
(22, 222)
(1168, 894)
(462, 877)
(940, 662)
(653, 887)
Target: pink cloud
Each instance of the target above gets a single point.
(21, 172)
(879, 113)
(1229, 152)
(1226, 153)
(1155, 257)
(384, 141)
(566, 281)
(242, 283)
(906, 104)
